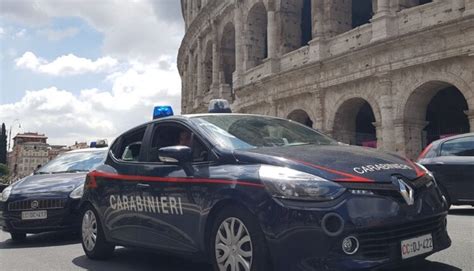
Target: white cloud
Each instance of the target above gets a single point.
(2, 31)
(93, 113)
(21, 33)
(65, 65)
(143, 29)
(57, 35)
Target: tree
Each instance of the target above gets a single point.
(3, 145)
(4, 173)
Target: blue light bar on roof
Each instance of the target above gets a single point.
(162, 111)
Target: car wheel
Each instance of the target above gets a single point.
(237, 242)
(16, 236)
(92, 236)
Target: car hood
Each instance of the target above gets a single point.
(49, 183)
(341, 163)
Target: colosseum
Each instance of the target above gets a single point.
(395, 74)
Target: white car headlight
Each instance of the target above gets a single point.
(77, 192)
(288, 183)
(6, 194)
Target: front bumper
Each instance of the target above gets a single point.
(298, 240)
(64, 218)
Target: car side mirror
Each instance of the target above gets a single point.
(175, 154)
(181, 155)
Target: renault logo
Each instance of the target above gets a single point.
(406, 191)
(34, 204)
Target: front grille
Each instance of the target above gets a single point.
(378, 242)
(42, 204)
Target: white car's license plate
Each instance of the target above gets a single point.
(417, 246)
(31, 215)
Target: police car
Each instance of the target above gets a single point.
(259, 193)
(49, 199)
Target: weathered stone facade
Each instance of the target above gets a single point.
(257, 54)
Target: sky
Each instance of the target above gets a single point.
(82, 70)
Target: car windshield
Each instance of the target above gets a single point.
(248, 131)
(74, 162)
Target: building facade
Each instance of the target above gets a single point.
(396, 74)
(29, 151)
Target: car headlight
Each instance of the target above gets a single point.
(77, 192)
(6, 194)
(288, 183)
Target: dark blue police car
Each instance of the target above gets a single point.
(49, 199)
(260, 193)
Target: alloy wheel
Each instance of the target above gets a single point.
(89, 230)
(233, 246)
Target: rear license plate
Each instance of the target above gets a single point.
(417, 246)
(31, 215)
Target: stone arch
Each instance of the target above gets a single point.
(256, 35)
(301, 116)
(354, 121)
(433, 110)
(207, 67)
(434, 78)
(227, 53)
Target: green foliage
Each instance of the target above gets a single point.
(4, 173)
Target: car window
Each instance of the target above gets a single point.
(247, 131)
(458, 147)
(74, 162)
(129, 145)
(166, 135)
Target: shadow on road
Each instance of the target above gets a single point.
(47, 239)
(462, 211)
(134, 259)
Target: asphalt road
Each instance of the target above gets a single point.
(62, 251)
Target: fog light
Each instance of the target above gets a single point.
(350, 245)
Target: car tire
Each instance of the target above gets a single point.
(247, 247)
(17, 236)
(91, 229)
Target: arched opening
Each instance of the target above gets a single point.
(228, 54)
(435, 110)
(306, 23)
(296, 24)
(300, 116)
(207, 67)
(353, 123)
(362, 12)
(256, 46)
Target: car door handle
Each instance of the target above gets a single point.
(143, 185)
(439, 163)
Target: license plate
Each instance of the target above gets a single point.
(31, 215)
(417, 246)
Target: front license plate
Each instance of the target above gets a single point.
(31, 215)
(417, 246)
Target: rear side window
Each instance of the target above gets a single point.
(458, 147)
(165, 135)
(129, 145)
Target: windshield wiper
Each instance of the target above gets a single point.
(42, 172)
(70, 171)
